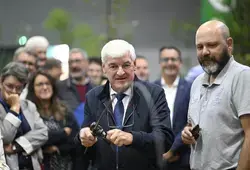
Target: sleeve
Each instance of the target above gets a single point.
(3, 164)
(161, 137)
(241, 93)
(69, 145)
(178, 145)
(9, 124)
(55, 137)
(37, 136)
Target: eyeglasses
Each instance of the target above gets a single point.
(75, 61)
(12, 88)
(123, 125)
(166, 59)
(27, 63)
(41, 84)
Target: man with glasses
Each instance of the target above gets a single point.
(25, 57)
(142, 68)
(133, 113)
(28, 59)
(177, 92)
(73, 90)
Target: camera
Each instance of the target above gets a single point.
(97, 130)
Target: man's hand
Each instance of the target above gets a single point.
(8, 149)
(170, 157)
(86, 137)
(187, 136)
(119, 137)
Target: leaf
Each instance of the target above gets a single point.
(58, 19)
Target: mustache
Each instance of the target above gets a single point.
(76, 69)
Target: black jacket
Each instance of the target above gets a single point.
(147, 112)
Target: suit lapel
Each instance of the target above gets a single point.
(27, 114)
(2, 111)
(178, 98)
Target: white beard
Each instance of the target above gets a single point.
(210, 69)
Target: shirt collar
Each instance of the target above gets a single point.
(128, 92)
(221, 75)
(175, 83)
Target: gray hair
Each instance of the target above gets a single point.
(21, 50)
(17, 70)
(18, 51)
(37, 42)
(117, 48)
(78, 50)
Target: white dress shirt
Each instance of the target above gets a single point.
(125, 100)
(170, 93)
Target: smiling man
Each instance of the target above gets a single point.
(219, 104)
(137, 120)
(177, 91)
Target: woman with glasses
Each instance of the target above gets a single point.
(22, 128)
(59, 149)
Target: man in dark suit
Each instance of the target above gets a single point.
(136, 116)
(177, 91)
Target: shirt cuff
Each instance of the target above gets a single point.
(14, 113)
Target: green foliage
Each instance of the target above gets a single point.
(82, 34)
(88, 39)
(183, 31)
(238, 22)
(116, 20)
(60, 20)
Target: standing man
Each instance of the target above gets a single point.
(38, 45)
(219, 104)
(73, 90)
(177, 92)
(95, 71)
(27, 58)
(142, 70)
(136, 120)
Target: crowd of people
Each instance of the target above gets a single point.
(107, 115)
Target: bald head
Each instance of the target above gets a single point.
(214, 46)
(215, 26)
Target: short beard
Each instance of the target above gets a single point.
(78, 76)
(215, 68)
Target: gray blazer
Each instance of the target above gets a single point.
(32, 141)
(3, 165)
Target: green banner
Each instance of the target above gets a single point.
(219, 9)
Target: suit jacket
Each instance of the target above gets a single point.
(147, 118)
(32, 141)
(180, 119)
(3, 164)
(67, 92)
